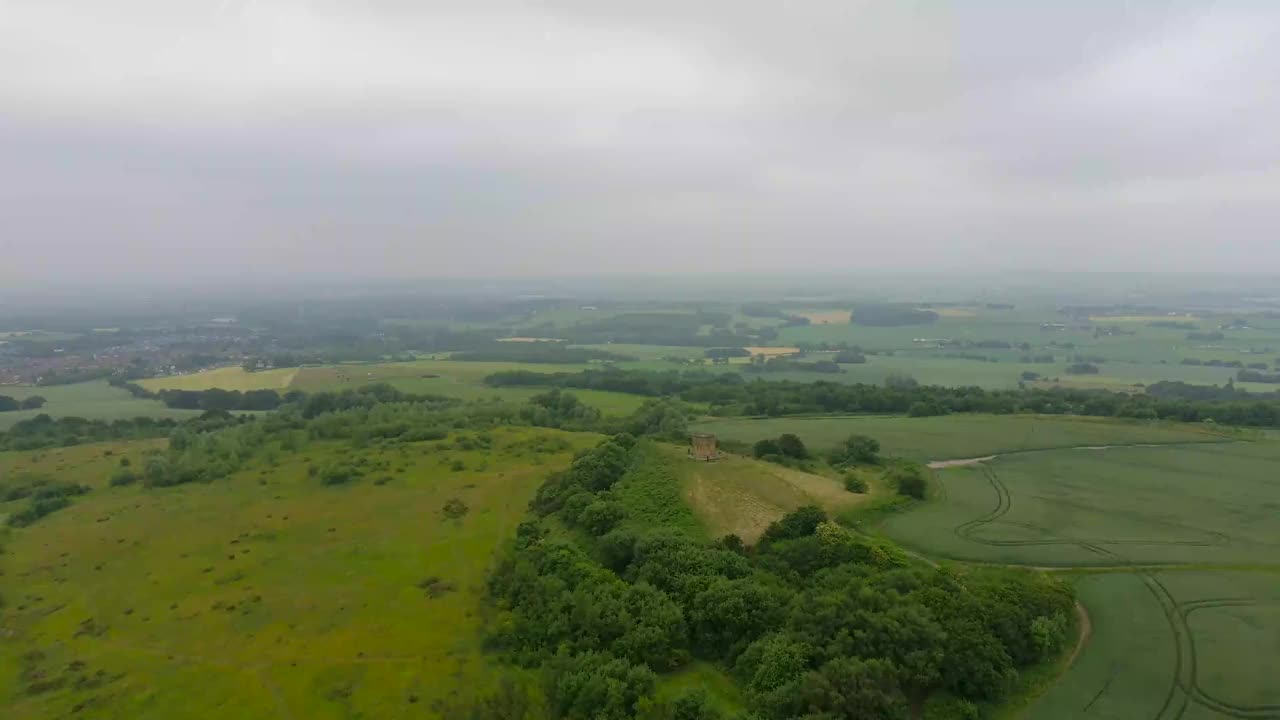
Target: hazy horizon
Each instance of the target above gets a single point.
(242, 141)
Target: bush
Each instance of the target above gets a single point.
(600, 517)
(857, 449)
(339, 474)
(123, 476)
(855, 484)
(791, 446)
(765, 448)
(455, 509)
(910, 481)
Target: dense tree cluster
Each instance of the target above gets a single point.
(31, 402)
(42, 431)
(732, 394)
(813, 621)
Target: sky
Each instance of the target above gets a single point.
(207, 141)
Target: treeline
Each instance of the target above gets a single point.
(732, 394)
(1214, 363)
(1258, 376)
(31, 402)
(43, 431)
(212, 398)
(813, 621)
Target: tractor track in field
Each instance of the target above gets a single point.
(1184, 690)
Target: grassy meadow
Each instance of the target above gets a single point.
(967, 436)
(266, 595)
(92, 400)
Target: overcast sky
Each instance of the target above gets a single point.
(413, 138)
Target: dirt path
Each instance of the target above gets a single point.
(957, 462)
(940, 464)
(1086, 632)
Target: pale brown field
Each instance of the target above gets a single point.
(826, 317)
(741, 496)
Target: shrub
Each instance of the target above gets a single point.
(123, 476)
(765, 448)
(455, 508)
(339, 474)
(600, 517)
(910, 481)
(855, 484)
(791, 446)
(857, 449)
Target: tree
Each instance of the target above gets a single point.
(857, 449)
(910, 481)
(791, 446)
(600, 516)
(596, 686)
(765, 448)
(8, 404)
(33, 402)
(730, 614)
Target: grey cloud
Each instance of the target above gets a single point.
(396, 138)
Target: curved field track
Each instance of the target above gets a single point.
(1168, 643)
(1150, 660)
(1172, 504)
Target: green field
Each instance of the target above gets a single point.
(463, 380)
(1194, 503)
(1174, 645)
(93, 400)
(266, 595)
(225, 378)
(965, 436)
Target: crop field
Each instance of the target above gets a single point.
(742, 496)
(1174, 644)
(947, 437)
(225, 378)
(268, 594)
(93, 400)
(1193, 503)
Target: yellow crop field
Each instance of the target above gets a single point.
(226, 378)
(772, 351)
